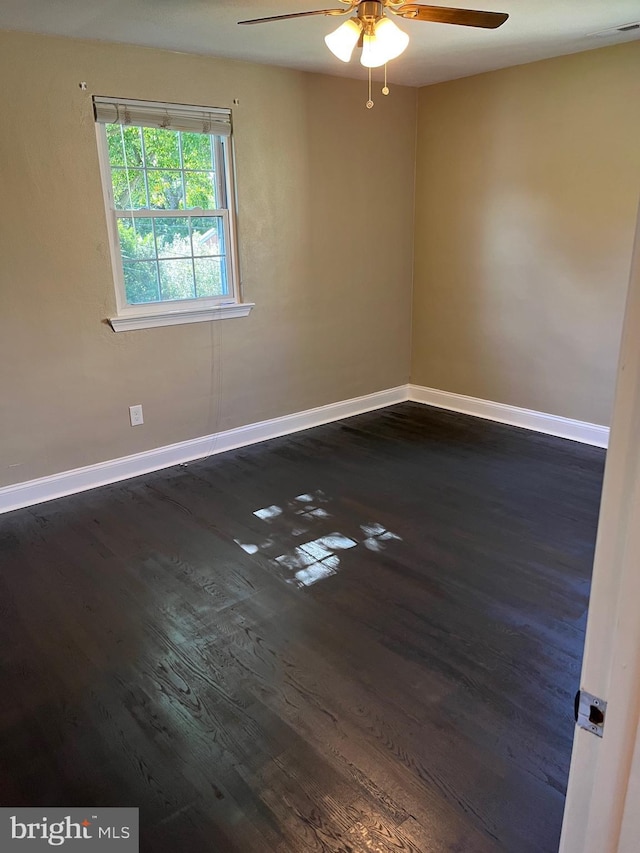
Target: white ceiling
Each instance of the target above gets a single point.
(536, 29)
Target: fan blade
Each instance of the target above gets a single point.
(444, 15)
(297, 15)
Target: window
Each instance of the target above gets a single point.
(168, 182)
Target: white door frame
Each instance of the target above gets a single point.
(602, 812)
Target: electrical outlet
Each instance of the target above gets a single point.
(135, 415)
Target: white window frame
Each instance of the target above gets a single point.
(174, 312)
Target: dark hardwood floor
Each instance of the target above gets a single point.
(363, 637)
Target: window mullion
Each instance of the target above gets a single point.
(169, 214)
(157, 265)
(217, 153)
(184, 183)
(227, 250)
(144, 167)
(195, 280)
(160, 299)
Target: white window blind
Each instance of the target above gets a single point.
(190, 119)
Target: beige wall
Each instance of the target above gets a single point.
(332, 316)
(526, 198)
(526, 191)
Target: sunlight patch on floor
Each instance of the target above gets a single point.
(312, 561)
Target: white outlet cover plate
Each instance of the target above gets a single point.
(135, 415)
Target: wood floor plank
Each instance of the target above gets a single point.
(362, 637)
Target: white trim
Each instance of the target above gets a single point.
(526, 418)
(169, 213)
(126, 323)
(166, 307)
(81, 479)
(601, 811)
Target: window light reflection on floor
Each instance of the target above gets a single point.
(312, 561)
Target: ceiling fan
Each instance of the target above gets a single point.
(373, 9)
(380, 39)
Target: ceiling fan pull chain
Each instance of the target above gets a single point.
(369, 102)
(385, 88)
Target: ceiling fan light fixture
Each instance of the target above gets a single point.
(380, 39)
(386, 43)
(342, 41)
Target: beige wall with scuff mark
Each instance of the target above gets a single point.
(332, 316)
(526, 199)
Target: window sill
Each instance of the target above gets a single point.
(127, 323)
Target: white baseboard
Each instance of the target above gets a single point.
(526, 418)
(101, 474)
(80, 479)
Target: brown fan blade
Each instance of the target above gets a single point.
(444, 15)
(297, 15)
